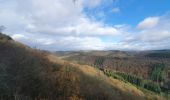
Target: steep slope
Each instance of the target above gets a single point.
(27, 74)
(22, 70)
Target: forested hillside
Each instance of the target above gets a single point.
(29, 74)
(151, 73)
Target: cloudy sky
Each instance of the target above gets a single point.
(88, 24)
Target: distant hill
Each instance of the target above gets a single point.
(159, 54)
(110, 53)
(29, 74)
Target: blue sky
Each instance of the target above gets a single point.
(131, 11)
(88, 24)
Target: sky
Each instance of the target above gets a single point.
(63, 25)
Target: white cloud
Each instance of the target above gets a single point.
(18, 36)
(92, 3)
(83, 27)
(160, 32)
(68, 43)
(63, 25)
(149, 22)
(62, 17)
(46, 22)
(45, 41)
(115, 10)
(157, 37)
